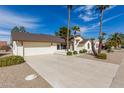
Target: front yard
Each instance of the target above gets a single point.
(113, 57)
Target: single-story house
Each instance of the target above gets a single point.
(86, 44)
(4, 46)
(3, 43)
(28, 44)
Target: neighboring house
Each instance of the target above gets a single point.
(86, 44)
(3, 46)
(3, 43)
(28, 44)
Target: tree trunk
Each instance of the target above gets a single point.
(93, 48)
(69, 8)
(100, 33)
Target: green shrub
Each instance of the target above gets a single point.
(109, 49)
(81, 51)
(84, 50)
(11, 60)
(102, 56)
(75, 52)
(69, 53)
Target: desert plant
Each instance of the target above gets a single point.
(84, 50)
(102, 56)
(11, 60)
(81, 51)
(109, 49)
(69, 53)
(75, 52)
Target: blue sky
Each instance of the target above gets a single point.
(48, 19)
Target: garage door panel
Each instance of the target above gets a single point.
(39, 50)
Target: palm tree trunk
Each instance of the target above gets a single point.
(100, 33)
(69, 9)
(93, 48)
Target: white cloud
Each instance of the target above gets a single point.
(79, 9)
(105, 20)
(89, 7)
(87, 18)
(84, 29)
(10, 19)
(4, 33)
(87, 12)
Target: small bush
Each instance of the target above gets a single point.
(69, 53)
(109, 49)
(81, 51)
(11, 60)
(102, 56)
(75, 52)
(84, 50)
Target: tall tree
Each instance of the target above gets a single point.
(75, 29)
(22, 29)
(18, 29)
(101, 9)
(69, 12)
(115, 40)
(63, 33)
(93, 47)
(15, 29)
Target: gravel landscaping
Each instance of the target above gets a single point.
(14, 77)
(113, 57)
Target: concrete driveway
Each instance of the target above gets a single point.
(68, 72)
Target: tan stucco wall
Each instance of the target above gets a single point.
(38, 44)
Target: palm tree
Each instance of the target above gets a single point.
(101, 9)
(115, 40)
(15, 29)
(93, 48)
(22, 29)
(75, 29)
(63, 33)
(69, 11)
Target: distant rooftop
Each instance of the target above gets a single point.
(3, 43)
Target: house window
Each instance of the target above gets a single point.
(88, 46)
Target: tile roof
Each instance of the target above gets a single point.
(26, 36)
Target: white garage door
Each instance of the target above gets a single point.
(38, 48)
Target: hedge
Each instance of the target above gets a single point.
(102, 56)
(84, 50)
(75, 52)
(69, 53)
(11, 60)
(81, 51)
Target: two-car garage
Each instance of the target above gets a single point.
(27, 44)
